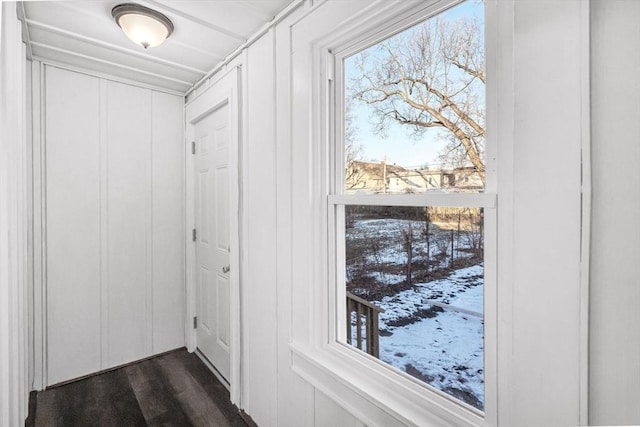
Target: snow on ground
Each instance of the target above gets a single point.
(453, 290)
(445, 351)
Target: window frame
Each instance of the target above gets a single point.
(369, 388)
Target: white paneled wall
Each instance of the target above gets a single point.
(260, 193)
(112, 181)
(167, 211)
(540, 291)
(328, 414)
(73, 224)
(113, 174)
(126, 309)
(614, 381)
(541, 341)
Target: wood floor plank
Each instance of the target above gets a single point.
(175, 389)
(47, 410)
(155, 395)
(213, 387)
(101, 400)
(196, 403)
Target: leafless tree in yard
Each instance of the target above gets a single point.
(408, 247)
(427, 234)
(474, 233)
(432, 76)
(354, 177)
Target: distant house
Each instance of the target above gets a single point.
(379, 177)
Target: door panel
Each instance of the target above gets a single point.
(207, 322)
(222, 208)
(223, 312)
(204, 207)
(212, 246)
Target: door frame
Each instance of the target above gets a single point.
(224, 89)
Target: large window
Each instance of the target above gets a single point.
(408, 203)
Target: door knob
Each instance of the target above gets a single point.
(226, 269)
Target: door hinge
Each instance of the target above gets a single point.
(195, 322)
(193, 147)
(193, 234)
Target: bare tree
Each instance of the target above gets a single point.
(474, 232)
(431, 76)
(408, 247)
(354, 175)
(427, 234)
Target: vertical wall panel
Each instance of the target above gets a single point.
(73, 224)
(260, 196)
(545, 281)
(614, 383)
(128, 134)
(168, 230)
(291, 387)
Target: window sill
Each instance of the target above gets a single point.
(375, 395)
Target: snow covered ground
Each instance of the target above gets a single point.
(445, 351)
(442, 347)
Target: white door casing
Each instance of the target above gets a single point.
(212, 237)
(205, 112)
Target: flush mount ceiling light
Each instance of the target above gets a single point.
(142, 25)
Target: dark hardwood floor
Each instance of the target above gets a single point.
(174, 389)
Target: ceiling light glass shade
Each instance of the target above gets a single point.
(142, 25)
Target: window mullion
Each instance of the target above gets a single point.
(460, 200)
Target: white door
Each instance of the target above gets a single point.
(212, 136)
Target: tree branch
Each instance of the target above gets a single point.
(475, 73)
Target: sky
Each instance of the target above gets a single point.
(398, 147)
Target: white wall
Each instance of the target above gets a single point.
(542, 382)
(541, 338)
(14, 215)
(112, 176)
(615, 271)
(270, 392)
(259, 194)
(540, 286)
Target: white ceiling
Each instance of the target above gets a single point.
(83, 34)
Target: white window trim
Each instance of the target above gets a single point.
(363, 385)
(484, 200)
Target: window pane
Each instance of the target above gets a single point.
(414, 286)
(415, 108)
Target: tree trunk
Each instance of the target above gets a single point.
(427, 220)
(409, 243)
(451, 261)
